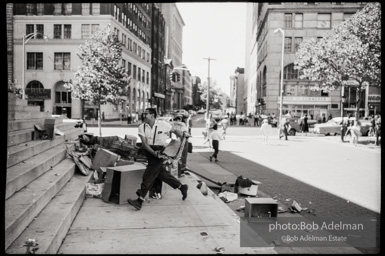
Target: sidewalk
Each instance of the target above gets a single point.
(198, 225)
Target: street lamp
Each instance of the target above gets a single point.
(208, 88)
(26, 38)
(281, 90)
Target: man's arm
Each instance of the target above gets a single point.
(147, 146)
(178, 133)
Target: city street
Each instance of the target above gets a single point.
(352, 173)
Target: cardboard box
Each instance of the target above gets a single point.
(250, 191)
(122, 182)
(256, 208)
(104, 158)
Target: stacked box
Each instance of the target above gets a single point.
(256, 208)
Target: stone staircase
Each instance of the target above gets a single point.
(43, 190)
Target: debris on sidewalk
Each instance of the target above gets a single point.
(94, 190)
(296, 206)
(219, 249)
(202, 187)
(246, 186)
(281, 210)
(228, 196)
(240, 208)
(32, 246)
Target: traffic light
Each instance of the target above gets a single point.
(172, 76)
(177, 77)
(263, 102)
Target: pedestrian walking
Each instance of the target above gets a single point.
(330, 117)
(283, 127)
(305, 126)
(378, 130)
(224, 124)
(154, 135)
(189, 123)
(355, 132)
(265, 129)
(178, 124)
(215, 138)
(344, 126)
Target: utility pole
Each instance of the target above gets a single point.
(208, 87)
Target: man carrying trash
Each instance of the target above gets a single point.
(154, 135)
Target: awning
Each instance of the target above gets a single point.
(159, 95)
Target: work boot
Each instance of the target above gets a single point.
(183, 188)
(211, 158)
(136, 203)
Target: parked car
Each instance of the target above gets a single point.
(294, 126)
(201, 111)
(192, 112)
(181, 112)
(166, 118)
(333, 126)
(78, 122)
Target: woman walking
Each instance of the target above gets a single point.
(305, 126)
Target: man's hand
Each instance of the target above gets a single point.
(160, 155)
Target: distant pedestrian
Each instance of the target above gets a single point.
(103, 116)
(265, 129)
(305, 126)
(355, 132)
(323, 118)
(215, 138)
(189, 123)
(330, 117)
(344, 126)
(224, 124)
(283, 127)
(378, 130)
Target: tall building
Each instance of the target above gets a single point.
(174, 51)
(196, 95)
(237, 91)
(49, 63)
(187, 85)
(300, 21)
(158, 68)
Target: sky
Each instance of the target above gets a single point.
(215, 30)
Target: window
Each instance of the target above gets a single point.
(86, 9)
(139, 52)
(298, 20)
(85, 31)
(128, 68)
(147, 78)
(148, 57)
(143, 74)
(67, 9)
(288, 42)
(35, 60)
(288, 20)
(143, 54)
(30, 28)
(31, 9)
(324, 20)
(56, 31)
(40, 9)
(40, 30)
(57, 9)
(124, 63)
(335, 106)
(297, 42)
(62, 61)
(94, 28)
(324, 93)
(134, 70)
(139, 73)
(95, 8)
(347, 15)
(67, 31)
(289, 73)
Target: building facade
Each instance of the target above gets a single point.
(300, 21)
(174, 51)
(196, 94)
(237, 91)
(158, 69)
(49, 63)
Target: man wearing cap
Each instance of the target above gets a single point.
(154, 135)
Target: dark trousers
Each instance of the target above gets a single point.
(155, 169)
(216, 148)
(183, 160)
(378, 134)
(284, 131)
(343, 131)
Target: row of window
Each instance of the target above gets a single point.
(136, 72)
(62, 61)
(132, 46)
(61, 31)
(295, 20)
(63, 9)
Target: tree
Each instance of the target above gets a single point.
(349, 55)
(215, 95)
(100, 78)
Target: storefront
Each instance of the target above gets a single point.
(36, 94)
(315, 107)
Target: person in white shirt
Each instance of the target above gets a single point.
(265, 129)
(215, 138)
(224, 124)
(154, 137)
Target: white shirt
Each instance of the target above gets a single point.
(265, 127)
(224, 123)
(158, 135)
(215, 135)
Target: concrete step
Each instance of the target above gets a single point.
(26, 204)
(52, 224)
(21, 152)
(16, 108)
(28, 115)
(17, 125)
(25, 172)
(14, 101)
(22, 136)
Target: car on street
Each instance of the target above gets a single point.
(201, 111)
(333, 126)
(165, 118)
(294, 126)
(78, 122)
(192, 112)
(181, 112)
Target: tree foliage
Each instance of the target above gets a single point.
(349, 55)
(215, 95)
(100, 78)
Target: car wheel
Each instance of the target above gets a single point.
(292, 132)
